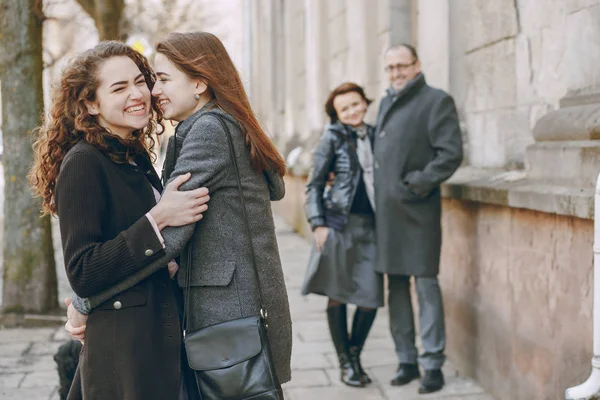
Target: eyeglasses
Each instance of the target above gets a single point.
(399, 67)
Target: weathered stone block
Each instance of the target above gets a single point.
(517, 291)
(492, 77)
(489, 22)
(573, 163)
(583, 53)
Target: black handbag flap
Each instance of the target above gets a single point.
(223, 345)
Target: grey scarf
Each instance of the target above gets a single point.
(365, 157)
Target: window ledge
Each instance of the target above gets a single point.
(514, 189)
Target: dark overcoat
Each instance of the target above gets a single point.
(132, 343)
(417, 146)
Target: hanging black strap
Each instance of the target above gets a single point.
(263, 310)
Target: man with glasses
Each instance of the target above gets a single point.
(417, 147)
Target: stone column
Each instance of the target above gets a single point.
(567, 149)
(316, 65)
(402, 21)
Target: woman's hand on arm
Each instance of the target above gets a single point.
(177, 208)
(76, 322)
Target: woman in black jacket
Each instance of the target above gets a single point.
(342, 216)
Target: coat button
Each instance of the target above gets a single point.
(148, 252)
(376, 165)
(117, 305)
(381, 134)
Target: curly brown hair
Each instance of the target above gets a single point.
(69, 120)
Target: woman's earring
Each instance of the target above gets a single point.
(197, 96)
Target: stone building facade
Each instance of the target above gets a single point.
(516, 267)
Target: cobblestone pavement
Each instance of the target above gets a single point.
(27, 370)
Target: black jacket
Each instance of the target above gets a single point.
(335, 153)
(133, 338)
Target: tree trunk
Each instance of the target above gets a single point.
(29, 271)
(107, 15)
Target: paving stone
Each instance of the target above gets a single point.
(301, 347)
(308, 378)
(25, 335)
(9, 380)
(40, 379)
(334, 393)
(26, 364)
(38, 393)
(44, 348)
(60, 335)
(310, 361)
(14, 349)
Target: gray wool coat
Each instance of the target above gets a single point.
(417, 146)
(223, 285)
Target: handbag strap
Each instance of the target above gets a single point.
(263, 310)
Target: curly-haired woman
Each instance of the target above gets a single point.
(93, 168)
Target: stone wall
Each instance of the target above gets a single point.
(508, 63)
(518, 293)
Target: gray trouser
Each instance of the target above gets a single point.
(431, 318)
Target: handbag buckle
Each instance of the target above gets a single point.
(265, 316)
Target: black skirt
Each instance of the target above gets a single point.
(345, 268)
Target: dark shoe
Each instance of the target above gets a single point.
(361, 326)
(355, 360)
(348, 373)
(406, 373)
(432, 381)
(338, 327)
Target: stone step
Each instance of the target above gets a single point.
(573, 163)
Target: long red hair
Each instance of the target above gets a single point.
(70, 122)
(201, 55)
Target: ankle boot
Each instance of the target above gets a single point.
(361, 326)
(338, 327)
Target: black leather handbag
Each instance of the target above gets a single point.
(232, 360)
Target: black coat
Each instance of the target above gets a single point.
(417, 146)
(132, 344)
(335, 153)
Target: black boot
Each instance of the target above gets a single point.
(361, 326)
(432, 381)
(338, 327)
(405, 374)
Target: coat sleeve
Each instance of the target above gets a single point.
(205, 154)
(324, 158)
(445, 138)
(92, 263)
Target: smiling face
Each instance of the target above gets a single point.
(176, 91)
(122, 99)
(350, 108)
(401, 67)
